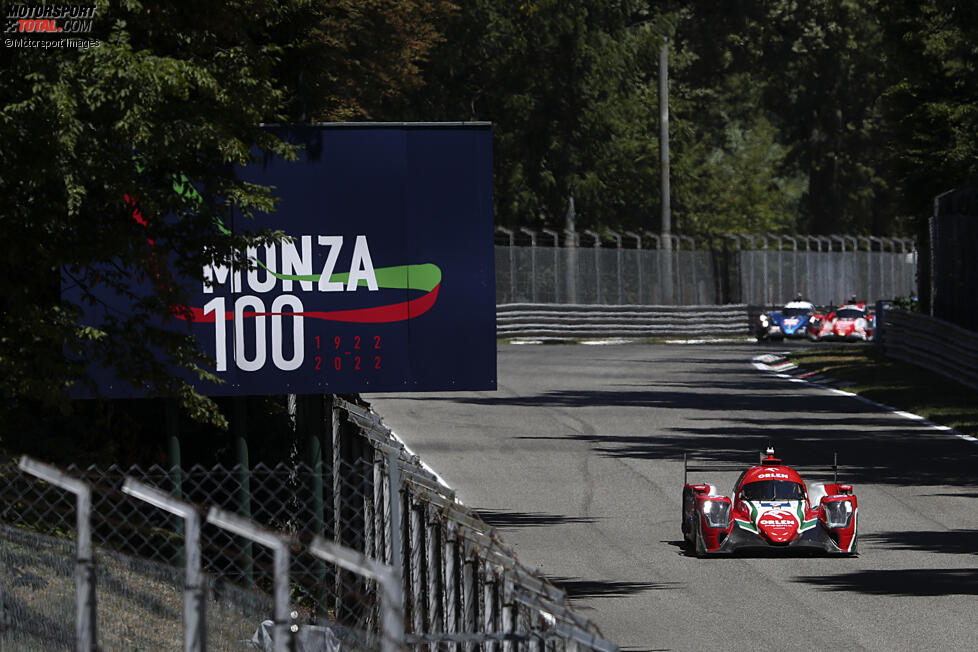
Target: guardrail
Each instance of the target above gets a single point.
(366, 546)
(928, 342)
(570, 321)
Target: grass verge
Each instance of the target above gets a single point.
(864, 371)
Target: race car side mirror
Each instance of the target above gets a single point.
(845, 489)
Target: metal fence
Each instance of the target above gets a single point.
(563, 321)
(646, 269)
(311, 568)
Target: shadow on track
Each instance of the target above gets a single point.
(925, 582)
(957, 542)
(579, 588)
(504, 519)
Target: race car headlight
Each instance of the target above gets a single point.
(764, 321)
(717, 513)
(838, 513)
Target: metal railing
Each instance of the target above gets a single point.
(563, 321)
(384, 558)
(928, 342)
(633, 269)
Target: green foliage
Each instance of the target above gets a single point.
(824, 116)
(93, 139)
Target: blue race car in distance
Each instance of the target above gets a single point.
(791, 321)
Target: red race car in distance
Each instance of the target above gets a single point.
(770, 509)
(849, 322)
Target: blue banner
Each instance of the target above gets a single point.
(387, 282)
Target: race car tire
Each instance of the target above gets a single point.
(697, 549)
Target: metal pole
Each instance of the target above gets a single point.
(509, 612)
(433, 565)
(512, 263)
(452, 598)
(489, 605)
(86, 627)
(597, 262)
(556, 253)
(311, 416)
(617, 237)
(392, 623)
(470, 600)
(171, 419)
(337, 476)
(638, 257)
(571, 246)
(396, 559)
(533, 262)
(240, 427)
(282, 629)
(417, 587)
(194, 598)
(666, 214)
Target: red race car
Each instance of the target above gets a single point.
(771, 508)
(850, 322)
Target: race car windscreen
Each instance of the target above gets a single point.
(773, 490)
(796, 312)
(850, 313)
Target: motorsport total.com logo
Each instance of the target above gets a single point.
(49, 19)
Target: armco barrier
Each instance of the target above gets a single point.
(928, 342)
(570, 321)
(366, 546)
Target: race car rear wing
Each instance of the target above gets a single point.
(706, 466)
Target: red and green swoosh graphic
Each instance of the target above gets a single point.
(425, 277)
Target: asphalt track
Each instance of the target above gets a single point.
(577, 459)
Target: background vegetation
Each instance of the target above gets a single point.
(823, 116)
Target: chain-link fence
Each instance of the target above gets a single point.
(289, 557)
(646, 269)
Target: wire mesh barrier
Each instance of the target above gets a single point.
(647, 269)
(366, 551)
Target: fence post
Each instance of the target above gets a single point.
(512, 263)
(638, 258)
(570, 240)
(597, 263)
(489, 603)
(282, 630)
(240, 428)
(194, 599)
(392, 621)
(553, 234)
(416, 551)
(508, 611)
(533, 261)
(86, 627)
(433, 566)
(452, 598)
(692, 265)
(392, 510)
(470, 597)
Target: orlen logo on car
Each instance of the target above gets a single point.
(778, 525)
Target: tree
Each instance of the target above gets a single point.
(567, 89)
(118, 163)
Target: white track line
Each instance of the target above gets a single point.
(761, 363)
